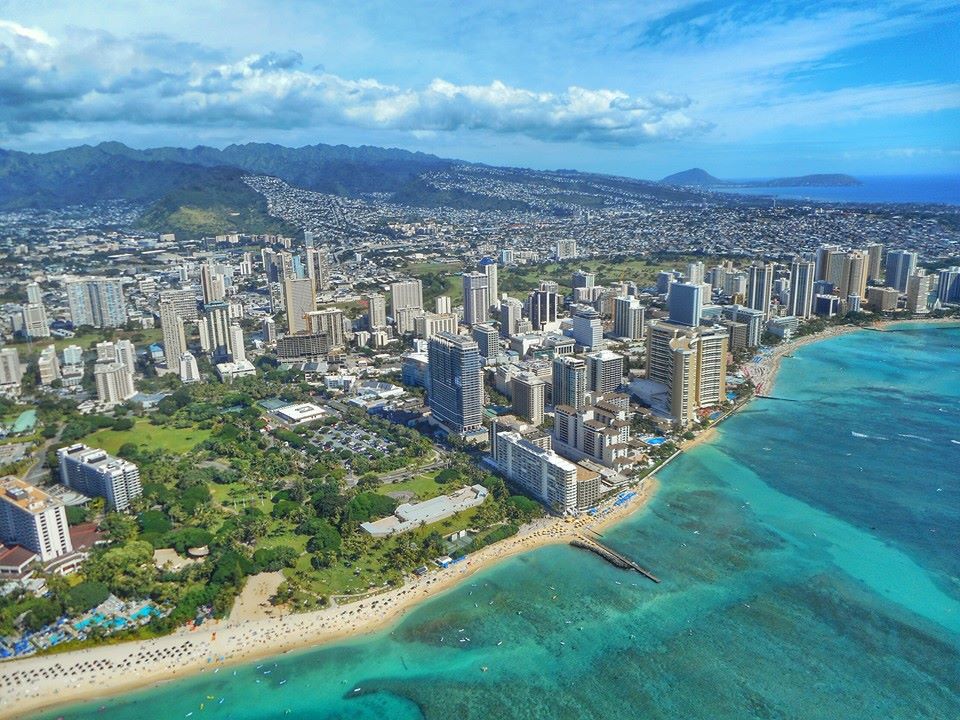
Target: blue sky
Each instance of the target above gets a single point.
(635, 88)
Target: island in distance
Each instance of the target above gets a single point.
(698, 177)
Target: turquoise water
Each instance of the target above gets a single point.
(810, 559)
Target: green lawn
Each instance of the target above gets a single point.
(150, 437)
(140, 338)
(423, 486)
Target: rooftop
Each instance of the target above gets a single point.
(26, 496)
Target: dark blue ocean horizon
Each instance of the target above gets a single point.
(935, 189)
(810, 563)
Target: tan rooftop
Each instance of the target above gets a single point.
(25, 496)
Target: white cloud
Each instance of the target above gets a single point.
(95, 77)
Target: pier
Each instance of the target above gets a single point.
(612, 556)
(774, 397)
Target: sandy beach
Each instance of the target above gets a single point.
(45, 681)
(254, 631)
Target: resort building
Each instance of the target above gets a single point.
(599, 432)
(95, 473)
(526, 459)
(33, 519)
(690, 364)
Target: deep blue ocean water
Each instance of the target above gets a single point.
(943, 189)
(810, 558)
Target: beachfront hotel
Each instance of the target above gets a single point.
(687, 367)
(524, 455)
(96, 473)
(31, 518)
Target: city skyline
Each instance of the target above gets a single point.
(778, 90)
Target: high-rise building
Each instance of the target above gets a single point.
(189, 372)
(215, 331)
(533, 466)
(874, 258)
(299, 298)
(96, 301)
(328, 321)
(34, 295)
(426, 325)
(96, 473)
(665, 279)
(174, 338)
(566, 249)
(376, 311)
(286, 268)
(918, 291)
(686, 303)
(246, 264)
(691, 363)
(529, 392)
(114, 382)
(213, 284)
(405, 319)
(456, 387)
(73, 355)
(587, 327)
(600, 432)
(583, 279)
(760, 288)
(604, 371)
(882, 299)
(48, 365)
(184, 301)
(303, 347)
(405, 294)
(695, 273)
(11, 371)
(753, 319)
(126, 353)
(826, 256)
(900, 266)
(269, 330)
(489, 268)
(628, 318)
(33, 519)
(801, 288)
(35, 323)
(569, 381)
(476, 298)
(488, 340)
(948, 288)
(511, 313)
(853, 278)
(543, 304)
(443, 305)
(238, 352)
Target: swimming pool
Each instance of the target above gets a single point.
(655, 440)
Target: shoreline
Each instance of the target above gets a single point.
(764, 373)
(79, 676)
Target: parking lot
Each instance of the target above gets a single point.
(346, 436)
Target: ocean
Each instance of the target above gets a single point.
(810, 565)
(940, 189)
